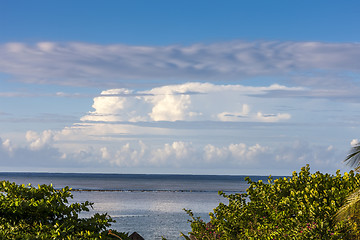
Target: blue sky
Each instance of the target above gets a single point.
(200, 87)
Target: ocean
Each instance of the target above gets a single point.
(151, 205)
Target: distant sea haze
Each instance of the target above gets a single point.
(151, 205)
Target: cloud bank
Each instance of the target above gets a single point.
(183, 128)
(176, 157)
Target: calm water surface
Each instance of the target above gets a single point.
(151, 205)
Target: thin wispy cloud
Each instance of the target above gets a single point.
(29, 94)
(84, 64)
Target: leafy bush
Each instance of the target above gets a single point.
(299, 207)
(27, 212)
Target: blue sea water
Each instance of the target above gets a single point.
(151, 205)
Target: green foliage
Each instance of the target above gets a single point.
(299, 207)
(27, 212)
(350, 211)
(200, 229)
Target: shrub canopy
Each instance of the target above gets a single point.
(299, 207)
(27, 212)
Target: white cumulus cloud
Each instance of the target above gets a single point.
(184, 102)
(354, 142)
(38, 141)
(116, 105)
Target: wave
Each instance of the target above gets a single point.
(148, 190)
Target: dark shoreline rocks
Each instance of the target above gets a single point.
(136, 236)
